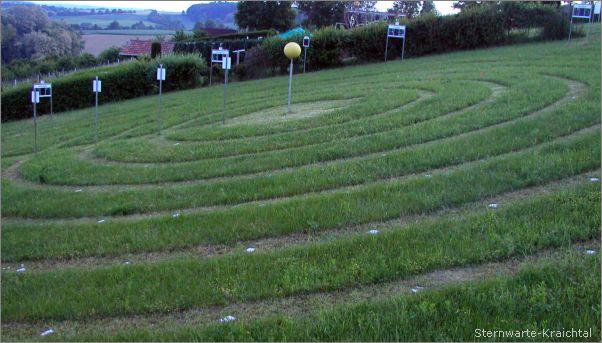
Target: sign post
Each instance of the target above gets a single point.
(396, 31)
(238, 52)
(96, 88)
(35, 99)
(217, 55)
(306, 40)
(292, 50)
(580, 11)
(45, 91)
(160, 78)
(226, 65)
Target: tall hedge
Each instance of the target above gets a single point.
(125, 81)
(480, 27)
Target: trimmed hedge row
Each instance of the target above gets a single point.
(478, 28)
(125, 81)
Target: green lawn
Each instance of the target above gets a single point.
(144, 236)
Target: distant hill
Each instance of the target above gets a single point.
(219, 11)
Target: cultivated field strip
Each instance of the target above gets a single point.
(146, 236)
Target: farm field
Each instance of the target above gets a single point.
(410, 200)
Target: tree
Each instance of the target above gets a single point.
(210, 24)
(263, 15)
(155, 49)
(27, 32)
(114, 25)
(361, 5)
(179, 36)
(199, 34)
(138, 26)
(322, 13)
(408, 8)
(428, 7)
(466, 5)
(111, 54)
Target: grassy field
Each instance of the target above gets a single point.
(366, 214)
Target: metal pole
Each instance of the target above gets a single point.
(386, 48)
(160, 91)
(35, 125)
(290, 86)
(96, 114)
(51, 110)
(224, 104)
(304, 59)
(571, 24)
(403, 47)
(210, 72)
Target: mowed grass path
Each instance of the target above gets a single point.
(122, 239)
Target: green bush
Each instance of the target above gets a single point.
(125, 81)
(327, 48)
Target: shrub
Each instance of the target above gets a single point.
(125, 81)
(327, 48)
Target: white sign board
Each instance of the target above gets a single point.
(96, 86)
(306, 42)
(582, 11)
(35, 97)
(217, 55)
(44, 89)
(160, 74)
(227, 63)
(396, 31)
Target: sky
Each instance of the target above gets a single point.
(444, 7)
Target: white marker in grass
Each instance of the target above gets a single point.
(250, 250)
(373, 232)
(78, 190)
(176, 144)
(47, 332)
(175, 215)
(594, 179)
(590, 252)
(20, 269)
(416, 289)
(101, 221)
(493, 205)
(227, 319)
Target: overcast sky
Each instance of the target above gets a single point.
(444, 7)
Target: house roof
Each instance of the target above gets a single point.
(137, 47)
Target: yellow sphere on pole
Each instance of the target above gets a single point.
(292, 50)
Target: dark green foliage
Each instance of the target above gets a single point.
(125, 81)
(262, 15)
(110, 54)
(155, 49)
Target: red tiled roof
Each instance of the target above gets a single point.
(137, 47)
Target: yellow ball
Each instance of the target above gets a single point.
(292, 50)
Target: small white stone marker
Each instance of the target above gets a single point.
(227, 319)
(78, 190)
(175, 215)
(250, 249)
(590, 252)
(47, 332)
(101, 221)
(416, 289)
(494, 205)
(428, 175)
(373, 232)
(594, 179)
(126, 262)
(20, 269)
(176, 144)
